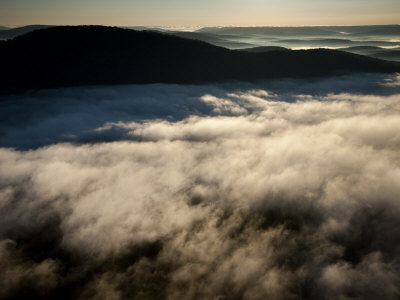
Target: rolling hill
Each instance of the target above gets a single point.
(96, 55)
(9, 33)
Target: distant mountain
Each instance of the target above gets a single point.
(336, 43)
(392, 54)
(264, 49)
(211, 39)
(364, 49)
(4, 28)
(289, 37)
(9, 33)
(381, 30)
(205, 37)
(308, 36)
(92, 55)
(197, 35)
(387, 30)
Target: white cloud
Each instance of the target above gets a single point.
(260, 199)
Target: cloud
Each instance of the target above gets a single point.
(238, 195)
(393, 81)
(47, 117)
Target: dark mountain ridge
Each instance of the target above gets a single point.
(387, 30)
(93, 55)
(8, 33)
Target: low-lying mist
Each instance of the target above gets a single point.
(279, 190)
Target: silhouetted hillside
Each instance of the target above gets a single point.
(89, 55)
(9, 33)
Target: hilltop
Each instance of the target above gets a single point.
(97, 55)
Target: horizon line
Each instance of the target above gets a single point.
(199, 26)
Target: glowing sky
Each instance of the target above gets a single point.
(199, 12)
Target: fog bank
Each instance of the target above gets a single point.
(203, 192)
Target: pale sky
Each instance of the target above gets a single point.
(199, 12)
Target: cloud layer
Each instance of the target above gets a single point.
(221, 194)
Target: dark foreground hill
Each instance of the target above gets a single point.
(91, 55)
